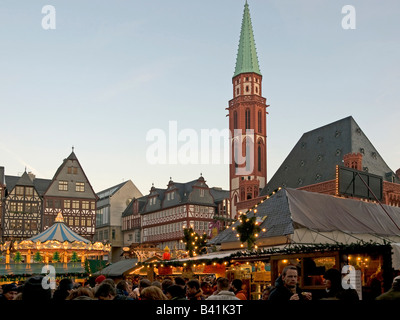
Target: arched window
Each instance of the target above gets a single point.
(235, 120)
(247, 118)
(259, 157)
(259, 121)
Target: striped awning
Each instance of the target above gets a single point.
(58, 232)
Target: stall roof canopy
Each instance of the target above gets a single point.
(118, 269)
(291, 208)
(59, 232)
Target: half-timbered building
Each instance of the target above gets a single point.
(131, 221)
(165, 212)
(2, 195)
(71, 193)
(22, 214)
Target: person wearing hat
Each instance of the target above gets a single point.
(33, 290)
(99, 279)
(334, 289)
(9, 292)
(393, 293)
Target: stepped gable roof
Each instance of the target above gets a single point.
(58, 232)
(315, 156)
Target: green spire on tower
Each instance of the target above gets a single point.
(246, 60)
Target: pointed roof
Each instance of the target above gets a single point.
(246, 60)
(58, 232)
(315, 156)
(25, 180)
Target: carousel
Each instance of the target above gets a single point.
(59, 246)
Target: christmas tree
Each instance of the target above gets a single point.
(56, 257)
(74, 257)
(17, 257)
(37, 257)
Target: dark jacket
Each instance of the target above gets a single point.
(197, 296)
(281, 293)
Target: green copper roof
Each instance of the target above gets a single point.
(246, 60)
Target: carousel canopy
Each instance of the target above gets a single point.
(58, 232)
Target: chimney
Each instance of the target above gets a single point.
(353, 160)
(31, 175)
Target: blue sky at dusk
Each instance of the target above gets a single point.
(112, 71)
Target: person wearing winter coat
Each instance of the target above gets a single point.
(334, 289)
(286, 287)
(222, 292)
(393, 293)
(193, 291)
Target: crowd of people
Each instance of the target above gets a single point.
(178, 288)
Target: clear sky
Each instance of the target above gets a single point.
(113, 71)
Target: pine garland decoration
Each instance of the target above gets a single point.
(248, 230)
(195, 244)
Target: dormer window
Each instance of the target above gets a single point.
(202, 193)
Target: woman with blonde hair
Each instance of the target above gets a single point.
(152, 293)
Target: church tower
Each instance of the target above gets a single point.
(247, 121)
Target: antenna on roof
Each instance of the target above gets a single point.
(73, 148)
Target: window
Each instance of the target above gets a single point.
(72, 170)
(35, 208)
(13, 206)
(75, 204)
(83, 221)
(57, 204)
(259, 157)
(202, 193)
(63, 185)
(29, 191)
(259, 122)
(235, 120)
(247, 118)
(85, 205)
(20, 206)
(19, 191)
(67, 204)
(89, 222)
(80, 187)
